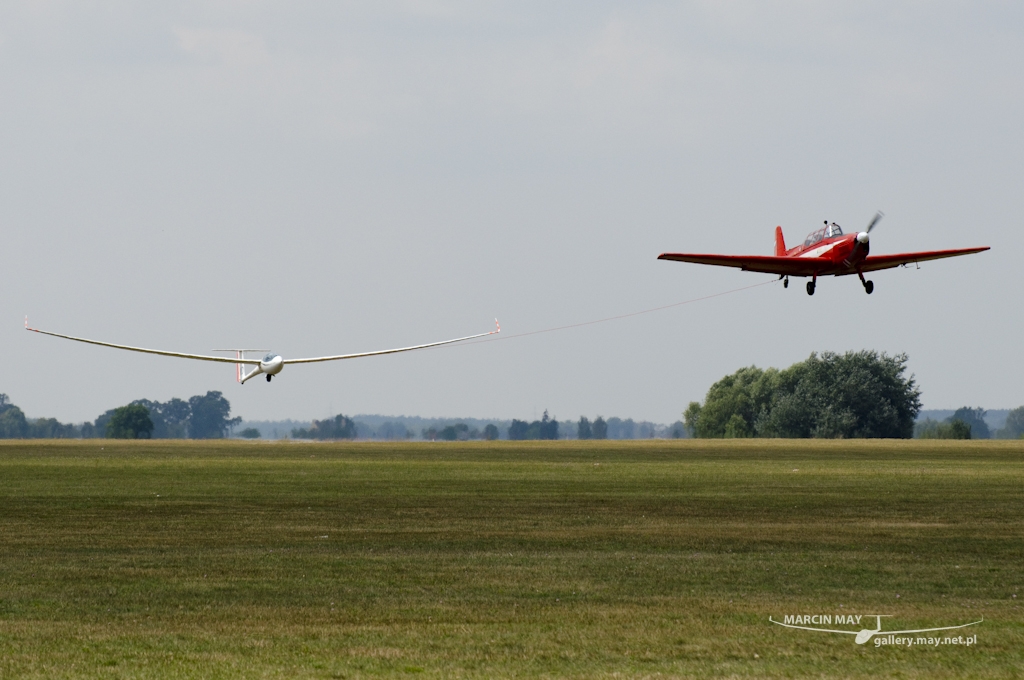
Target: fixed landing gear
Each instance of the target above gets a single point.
(269, 377)
(869, 286)
(785, 282)
(810, 287)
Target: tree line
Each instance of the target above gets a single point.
(969, 423)
(200, 417)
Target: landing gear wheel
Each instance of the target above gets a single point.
(785, 282)
(269, 377)
(810, 287)
(869, 287)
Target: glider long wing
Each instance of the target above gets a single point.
(792, 266)
(876, 262)
(928, 630)
(255, 362)
(182, 355)
(313, 360)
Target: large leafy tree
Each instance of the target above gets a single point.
(1014, 427)
(12, 421)
(129, 422)
(973, 418)
(209, 416)
(170, 419)
(857, 394)
(583, 429)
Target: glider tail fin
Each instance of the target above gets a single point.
(780, 243)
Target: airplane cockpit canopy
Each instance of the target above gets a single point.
(270, 357)
(827, 231)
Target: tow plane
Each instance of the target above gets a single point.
(825, 252)
(271, 364)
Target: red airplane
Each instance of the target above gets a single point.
(825, 252)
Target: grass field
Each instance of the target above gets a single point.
(564, 559)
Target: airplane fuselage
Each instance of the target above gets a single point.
(844, 253)
(270, 365)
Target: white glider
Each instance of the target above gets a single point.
(271, 364)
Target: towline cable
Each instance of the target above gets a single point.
(622, 316)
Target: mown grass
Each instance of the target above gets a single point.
(607, 559)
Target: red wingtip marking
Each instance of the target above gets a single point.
(495, 323)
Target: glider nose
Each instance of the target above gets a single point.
(864, 635)
(863, 237)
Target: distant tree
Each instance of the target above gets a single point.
(12, 421)
(677, 430)
(947, 429)
(451, 433)
(1014, 426)
(518, 430)
(545, 428)
(129, 422)
(209, 416)
(339, 427)
(599, 429)
(490, 432)
(690, 417)
(100, 424)
(583, 430)
(430, 433)
(51, 428)
(926, 429)
(391, 430)
(170, 419)
(14, 425)
(548, 427)
(250, 433)
(958, 429)
(973, 418)
(621, 429)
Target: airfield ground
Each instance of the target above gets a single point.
(563, 559)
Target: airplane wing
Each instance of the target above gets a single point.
(820, 630)
(876, 262)
(338, 357)
(200, 357)
(791, 266)
(928, 630)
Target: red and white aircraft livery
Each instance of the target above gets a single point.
(825, 252)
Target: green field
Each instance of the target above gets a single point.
(559, 559)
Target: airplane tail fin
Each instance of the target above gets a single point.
(780, 243)
(240, 355)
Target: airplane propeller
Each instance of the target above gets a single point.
(863, 237)
(877, 218)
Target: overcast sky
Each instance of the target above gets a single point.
(333, 177)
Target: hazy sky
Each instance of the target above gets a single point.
(337, 177)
